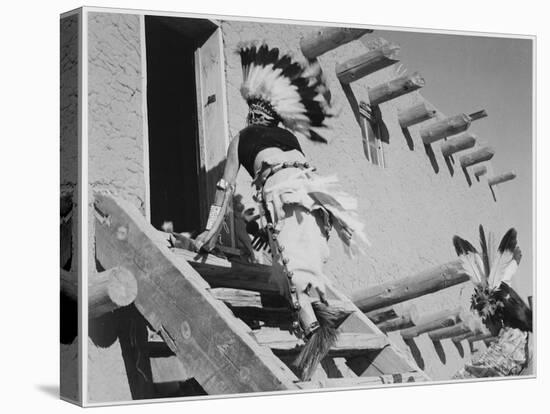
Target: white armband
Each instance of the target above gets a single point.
(213, 216)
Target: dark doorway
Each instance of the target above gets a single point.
(173, 126)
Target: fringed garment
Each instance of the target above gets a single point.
(303, 207)
(507, 356)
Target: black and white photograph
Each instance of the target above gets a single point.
(259, 206)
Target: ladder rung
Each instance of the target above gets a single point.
(348, 345)
(362, 381)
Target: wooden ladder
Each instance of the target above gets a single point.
(224, 321)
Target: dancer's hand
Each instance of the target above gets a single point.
(205, 241)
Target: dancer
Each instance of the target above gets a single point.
(297, 208)
(500, 308)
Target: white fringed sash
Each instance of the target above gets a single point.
(313, 192)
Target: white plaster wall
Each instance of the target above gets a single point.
(115, 115)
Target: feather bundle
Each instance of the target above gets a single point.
(295, 92)
(319, 343)
(491, 271)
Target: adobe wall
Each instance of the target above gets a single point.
(115, 105)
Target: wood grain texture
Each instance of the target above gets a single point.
(214, 346)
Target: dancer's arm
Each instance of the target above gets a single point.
(224, 196)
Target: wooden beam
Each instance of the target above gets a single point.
(381, 315)
(475, 157)
(110, 290)
(367, 63)
(362, 382)
(323, 40)
(219, 272)
(271, 310)
(348, 344)
(214, 346)
(415, 114)
(428, 281)
(107, 291)
(432, 322)
(449, 126)
(502, 178)
(395, 88)
(458, 143)
(449, 332)
(405, 320)
(479, 170)
(459, 338)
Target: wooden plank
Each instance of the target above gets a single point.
(348, 344)
(270, 309)
(213, 345)
(327, 38)
(423, 283)
(367, 63)
(220, 272)
(389, 360)
(361, 382)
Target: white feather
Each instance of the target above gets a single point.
(502, 269)
(472, 263)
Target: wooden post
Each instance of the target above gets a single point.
(449, 126)
(405, 320)
(107, 291)
(502, 178)
(479, 170)
(475, 157)
(432, 322)
(459, 143)
(365, 64)
(428, 281)
(395, 88)
(323, 40)
(381, 315)
(450, 331)
(415, 114)
(459, 338)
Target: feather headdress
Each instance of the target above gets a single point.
(284, 89)
(491, 271)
